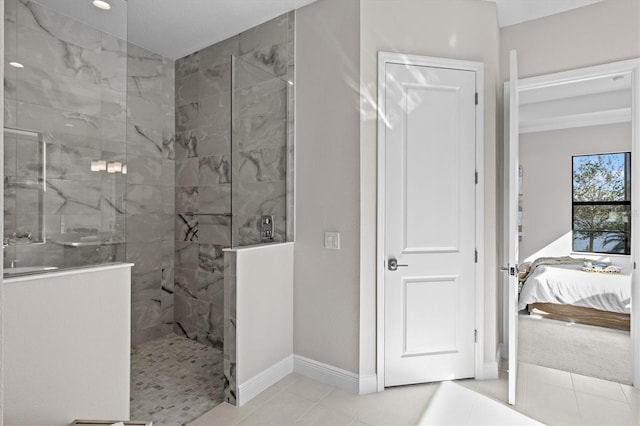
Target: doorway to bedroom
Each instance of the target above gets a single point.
(574, 226)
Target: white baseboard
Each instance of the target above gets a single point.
(264, 379)
(327, 374)
(368, 383)
(490, 369)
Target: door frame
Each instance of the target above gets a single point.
(434, 62)
(627, 66)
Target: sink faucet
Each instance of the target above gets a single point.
(14, 262)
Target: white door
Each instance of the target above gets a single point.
(512, 221)
(429, 297)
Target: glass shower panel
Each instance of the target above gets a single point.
(259, 103)
(65, 135)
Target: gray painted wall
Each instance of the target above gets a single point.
(337, 45)
(546, 161)
(602, 32)
(326, 282)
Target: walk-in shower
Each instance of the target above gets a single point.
(116, 153)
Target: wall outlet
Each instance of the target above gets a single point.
(332, 240)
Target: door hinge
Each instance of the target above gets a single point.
(476, 98)
(476, 256)
(476, 178)
(475, 336)
(634, 265)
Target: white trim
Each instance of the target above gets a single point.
(599, 118)
(368, 383)
(635, 230)
(327, 374)
(383, 58)
(263, 380)
(580, 74)
(490, 369)
(585, 74)
(478, 68)
(66, 272)
(257, 247)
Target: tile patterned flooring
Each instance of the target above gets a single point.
(550, 396)
(174, 380)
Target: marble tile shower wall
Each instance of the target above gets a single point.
(93, 96)
(150, 195)
(204, 170)
(72, 92)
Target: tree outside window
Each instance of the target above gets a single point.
(602, 203)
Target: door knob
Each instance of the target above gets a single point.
(393, 264)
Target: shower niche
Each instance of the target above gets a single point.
(24, 187)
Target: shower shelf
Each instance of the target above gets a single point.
(87, 243)
(207, 214)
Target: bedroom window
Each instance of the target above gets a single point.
(602, 203)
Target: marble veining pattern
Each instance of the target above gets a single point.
(229, 329)
(230, 145)
(214, 169)
(186, 145)
(266, 45)
(263, 165)
(150, 191)
(186, 227)
(73, 91)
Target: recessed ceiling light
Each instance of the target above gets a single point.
(101, 4)
(16, 64)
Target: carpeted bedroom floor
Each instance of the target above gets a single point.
(583, 349)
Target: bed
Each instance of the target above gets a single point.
(566, 292)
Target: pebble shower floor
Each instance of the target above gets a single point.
(175, 380)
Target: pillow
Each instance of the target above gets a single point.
(523, 270)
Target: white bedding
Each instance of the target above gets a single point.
(569, 285)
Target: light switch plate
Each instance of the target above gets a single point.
(332, 240)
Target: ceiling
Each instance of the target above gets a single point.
(176, 28)
(605, 99)
(512, 12)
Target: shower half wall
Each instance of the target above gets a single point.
(234, 160)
